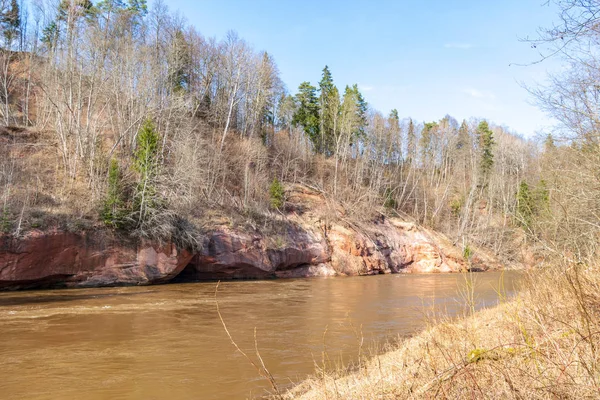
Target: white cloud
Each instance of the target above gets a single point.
(479, 94)
(462, 46)
(365, 88)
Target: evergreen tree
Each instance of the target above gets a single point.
(525, 206)
(541, 196)
(352, 118)
(112, 210)
(132, 10)
(277, 194)
(549, 145)
(77, 8)
(332, 129)
(179, 64)
(146, 164)
(307, 113)
(286, 111)
(328, 104)
(266, 109)
(463, 139)
(10, 22)
(363, 107)
(425, 142)
(50, 35)
(132, 6)
(394, 128)
(5, 222)
(486, 144)
(389, 199)
(139, 7)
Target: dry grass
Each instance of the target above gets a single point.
(543, 344)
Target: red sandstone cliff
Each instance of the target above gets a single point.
(311, 246)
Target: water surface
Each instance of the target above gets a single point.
(167, 342)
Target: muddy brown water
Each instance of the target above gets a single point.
(167, 342)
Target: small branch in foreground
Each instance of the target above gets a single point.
(262, 370)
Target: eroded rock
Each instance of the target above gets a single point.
(90, 259)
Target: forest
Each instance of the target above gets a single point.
(153, 129)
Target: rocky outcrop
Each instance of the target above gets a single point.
(230, 254)
(308, 246)
(391, 246)
(78, 260)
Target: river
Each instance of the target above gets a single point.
(167, 342)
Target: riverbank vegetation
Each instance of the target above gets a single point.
(542, 345)
(121, 115)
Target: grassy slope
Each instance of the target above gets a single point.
(544, 344)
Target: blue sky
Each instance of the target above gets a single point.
(426, 58)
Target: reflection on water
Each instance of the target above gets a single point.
(166, 342)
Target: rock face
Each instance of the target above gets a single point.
(310, 246)
(81, 260)
(230, 254)
(391, 246)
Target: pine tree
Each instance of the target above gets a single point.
(139, 7)
(10, 22)
(77, 8)
(307, 113)
(135, 10)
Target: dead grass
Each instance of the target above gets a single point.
(543, 344)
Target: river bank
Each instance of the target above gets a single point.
(308, 240)
(543, 344)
